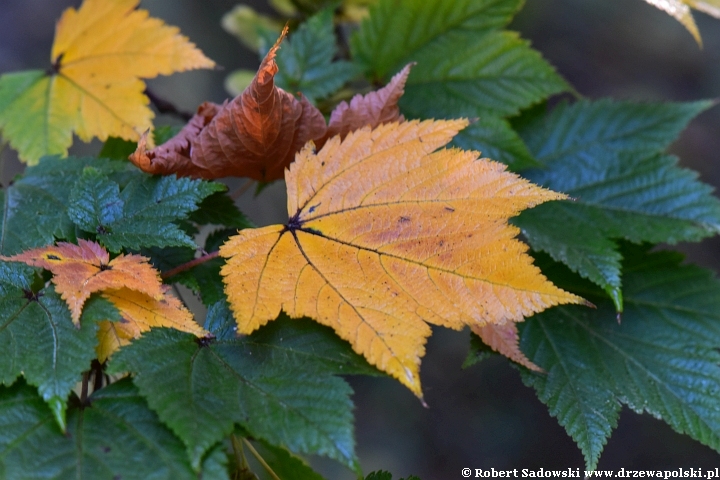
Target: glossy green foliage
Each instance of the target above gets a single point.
(278, 386)
(608, 157)
(661, 358)
(305, 61)
(465, 66)
(101, 437)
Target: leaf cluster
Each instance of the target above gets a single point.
(190, 407)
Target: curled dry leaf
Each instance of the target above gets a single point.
(384, 236)
(83, 269)
(370, 110)
(255, 135)
(258, 134)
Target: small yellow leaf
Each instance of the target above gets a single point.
(139, 313)
(386, 235)
(100, 53)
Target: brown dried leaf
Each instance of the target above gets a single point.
(255, 135)
(173, 156)
(372, 109)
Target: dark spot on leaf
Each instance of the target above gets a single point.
(204, 341)
(117, 477)
(450, 209)
(50, 256)
(312, 209)
(441, 243)
(404, 219)
(322, 164)
(107, 87)
(312, 230)
(105, 449)
(100, 230)
(32, 296)
(124, 320)
(104, 267)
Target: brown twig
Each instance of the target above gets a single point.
(188, 265)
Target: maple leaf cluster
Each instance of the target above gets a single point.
(259, 132)
(386, 234)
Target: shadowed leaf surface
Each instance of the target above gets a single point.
(279, 390)
(116, 437)
(662, 359)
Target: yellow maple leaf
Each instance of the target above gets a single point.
(386, 235)
(139, 313)
(100, 53)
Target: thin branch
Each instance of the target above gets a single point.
(188, 265)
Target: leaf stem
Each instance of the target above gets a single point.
(260, 459)
(188, 265)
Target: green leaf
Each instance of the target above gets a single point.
(27, 120)
(116, 436)
(305, 61)
(464, 66)
(163, 133)
(204, 279)
(396, 30)
(95, 202)
(201, 388)
(151, 205)
(606, 156)
(469, 74)
(39, 340)
(662, 359)
(285, 464)
(220, 209)
(117, 149)
(35, 205)
(496, 140)
(572, 132)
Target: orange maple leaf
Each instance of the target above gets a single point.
(139, 313)
(504, 340)
(386, 235)
(83, 269)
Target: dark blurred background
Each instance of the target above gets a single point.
(481, 417)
